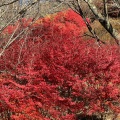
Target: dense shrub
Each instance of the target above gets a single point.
(54, 74)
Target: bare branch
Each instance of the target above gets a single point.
(78, 10)
(105, 23)
(8, 3)
(20, 13)
(105, 10)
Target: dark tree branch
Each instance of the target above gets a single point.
(104, 22)
(4, 4)
(78, 10)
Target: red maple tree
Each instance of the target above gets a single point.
(55, 74)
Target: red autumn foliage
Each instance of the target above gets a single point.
(54, 74)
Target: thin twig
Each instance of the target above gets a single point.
(4, 4)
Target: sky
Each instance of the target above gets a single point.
(24, 1)
(27, 1)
